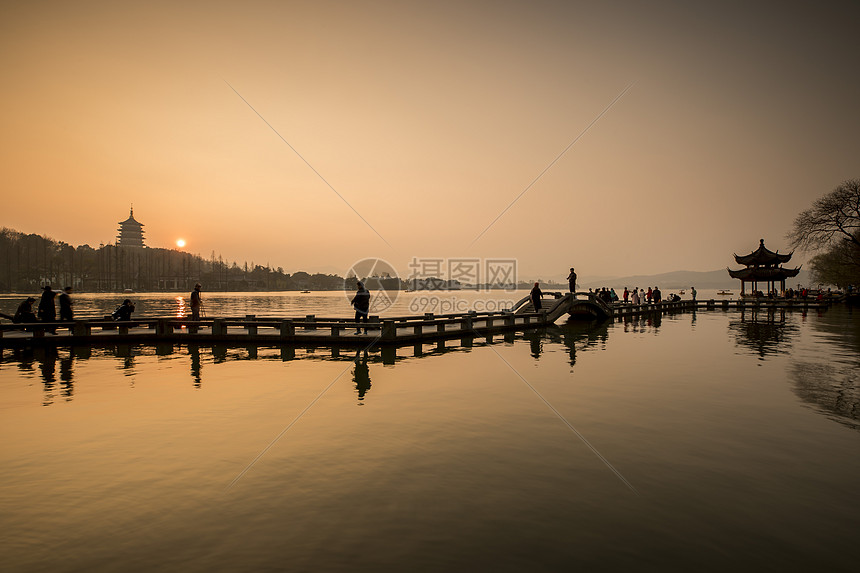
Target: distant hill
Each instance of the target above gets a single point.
(684, 279)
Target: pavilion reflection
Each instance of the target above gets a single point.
(764, 332)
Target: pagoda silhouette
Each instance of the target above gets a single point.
(763, 266)
(130, 232)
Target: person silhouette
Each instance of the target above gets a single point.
(47, 311)
(25, 311)
(571, 280)
(361, 304)
(66, 313)
(196, 302)
(535, 296)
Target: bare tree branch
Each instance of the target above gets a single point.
(832, 217)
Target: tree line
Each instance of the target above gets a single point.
(30, 261)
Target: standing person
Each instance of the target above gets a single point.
(571, 280)
(361, 304)
(635, 297)
(196, 302)
(25, 311)
(66, 313)
(47, 311)
(693, 292)
(535, 296)
(656, 295)
(626, 295)
(648, 296)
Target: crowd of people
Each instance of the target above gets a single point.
(46, 310)
(637, 295)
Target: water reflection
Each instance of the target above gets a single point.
(180, 307)
(764, 333)
(831, 384)
(196, 368)
(43, 361)
(47, 359)
(361, 375)
(645, 323)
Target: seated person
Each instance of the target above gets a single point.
(123, 312)
(25, 311)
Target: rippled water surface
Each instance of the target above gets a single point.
(706, 441)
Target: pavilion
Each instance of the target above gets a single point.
(763, 265)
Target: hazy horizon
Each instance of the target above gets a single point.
(413, 129)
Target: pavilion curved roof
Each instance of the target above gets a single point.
(763, 256)
(763, 274)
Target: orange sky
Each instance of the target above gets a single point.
(429, 118)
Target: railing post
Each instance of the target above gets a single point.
(466, 322)
(288, 329)
(218, 327)
(163, 327)
(311, 319)
(81, 328)
(252, 329)
(389, 330)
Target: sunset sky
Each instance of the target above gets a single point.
(429, 119)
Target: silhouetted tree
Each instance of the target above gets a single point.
(832, 227)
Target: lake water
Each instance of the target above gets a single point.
(699, 441)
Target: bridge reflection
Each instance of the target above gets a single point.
(44, 362)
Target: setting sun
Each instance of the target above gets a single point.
(180, 243)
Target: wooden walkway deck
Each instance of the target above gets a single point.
(340, 332)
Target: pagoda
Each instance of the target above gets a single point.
(763, 265)
(130, 232)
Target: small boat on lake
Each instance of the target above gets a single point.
(724, 292)
(305, 291)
